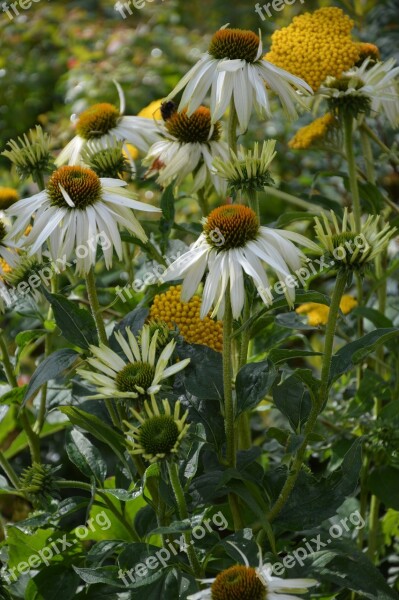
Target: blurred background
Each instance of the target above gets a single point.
(57, 58)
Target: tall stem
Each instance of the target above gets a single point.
(232, 128)
(183, 514)
(244, 430)
(102, 335)
(350, 158)
(253, 201)
(5, 359)
(318, 404)
(9, 471)
(203, 202)
(227, 380)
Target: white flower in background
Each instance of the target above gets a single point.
(190, 145)
(105, 123)
(233, 69)
(233, 244)
(250, 583)
(139, 374)
(76, 213)
(365, 88)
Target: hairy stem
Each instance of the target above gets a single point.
(350, 158)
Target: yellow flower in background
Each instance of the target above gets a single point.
(7, 197)
(312, 133)
(151, 111)
(318, 313)
(316, 45)
(168, 307)
(366, 50)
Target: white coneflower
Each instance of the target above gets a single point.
(348, 248)
(189, 146)
(160, 433)
(106, 123)
(244, 582)
(248, 169)
(364, 89)
(76, 210)
(233, 68)
(233, 244)
(139, 374)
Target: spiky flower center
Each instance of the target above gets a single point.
(233, 44)
(3, 231)
(196, 128)
(238, 583)
(97, 120)
(82, 185)
(138, 374)
(231, 226)
(367, 50)
(350, 248)
(159, 434)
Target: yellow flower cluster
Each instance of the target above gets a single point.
(315, 45)
(318, 313)
(314, 132)
(4, 266)
(185, 316)
(7, 197)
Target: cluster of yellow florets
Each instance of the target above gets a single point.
(315, 45)
(185, 316)
(312, 133)
(4, 266)
(317, 314)
(7, 197)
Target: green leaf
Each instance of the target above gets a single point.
(203, 376)
(376, 318)
(383, 482)
(97, 428)
(50, 368)
(76, 324)
(313, 501)
(14, 396)
(253, 382)
(168, 212)
(355, 352)
(348, 568)
(293, 399)
(85, 456)
(293, 216)
(21, 545)
(53, 583)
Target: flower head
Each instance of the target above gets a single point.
(7, 197)
(348, 248)
(31, 154)
(139, 374)
(233, 244)
(317, 314)
(243, 582)
(39, 483)
(160, 433)
(186, 317)
(233, 70)
(248, 169)
(364, 89)
(104, 123)
(106, 159)
(316, 45)
(190, 144)
(313, 133)
(77, 212)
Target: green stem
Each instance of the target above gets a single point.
(376, 139)
(9, 471)
(317, 404)
(374, 526)
(232, 128)
(244, 430)
(253, 201)
(350, 158)
(102, 335)
(227, 380)
(203, 202)
(183, 514)
(5, 359)
(81, 485)
(368, 156)
(280, 195)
